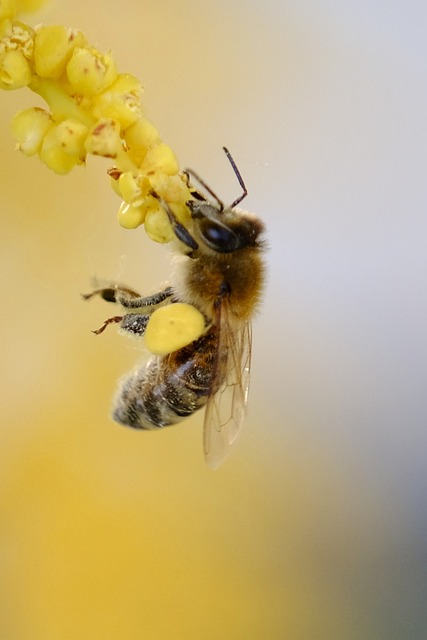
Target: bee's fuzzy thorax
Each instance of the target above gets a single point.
(198, 280)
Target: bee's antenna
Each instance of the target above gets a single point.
(190, 172)
(179, 230)
(239, 178)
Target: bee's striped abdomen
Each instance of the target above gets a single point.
(168, 389)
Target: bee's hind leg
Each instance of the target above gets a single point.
(106, 323)
(132, 322)
(135, 323)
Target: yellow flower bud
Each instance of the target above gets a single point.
(89, 71)
(139, 137)
(104, 139)
(121, 101)
(17, 36)
(71, 136)
(129, 187)
(53, 46)
(173, 327)
(53, 154)
(170, 188)
(126, 83)
(157, 224)
(181, 212)
(131, 217)
(29, 128)
(15, 71)
(177, 190)
(160, 158)
(114, 184)
(134, 189)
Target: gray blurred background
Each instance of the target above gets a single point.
(316, 526)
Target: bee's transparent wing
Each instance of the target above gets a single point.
(225, 410)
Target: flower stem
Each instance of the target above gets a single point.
(59, 102)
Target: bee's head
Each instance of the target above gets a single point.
(216, 228)
(224, 230)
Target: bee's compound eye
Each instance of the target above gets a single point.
(219, 237)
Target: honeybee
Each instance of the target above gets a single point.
(221, 273)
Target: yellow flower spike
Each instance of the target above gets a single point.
(160, 158)
(139, 137)
(71, 136)
(93, 109)
(89, 71)
(121, 101)
(53, 47)
(130, 216)
(173, 327)
(53, 154)
(29, 128)
(15, 71)
(104, 139)
(157, 225)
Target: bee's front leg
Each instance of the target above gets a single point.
(112, 293)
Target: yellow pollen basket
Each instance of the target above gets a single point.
(173, 327)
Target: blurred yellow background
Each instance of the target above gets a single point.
(315, 527)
